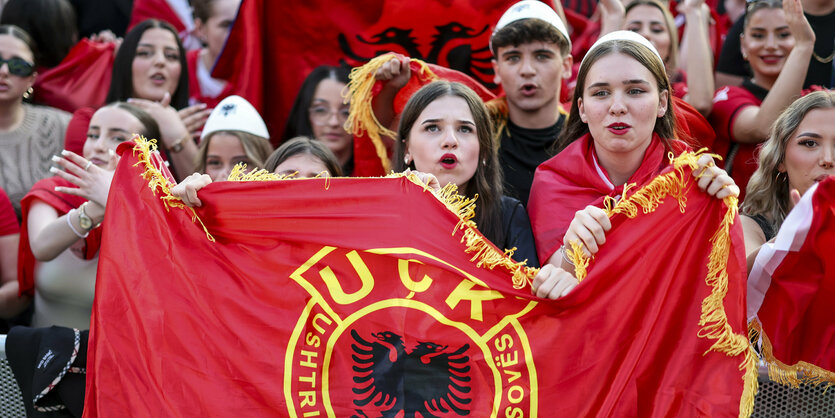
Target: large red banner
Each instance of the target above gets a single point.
(274, 44)
(373, 297)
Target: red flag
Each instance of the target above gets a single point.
(382, 298)
(791, 289)
(80, 80)
(275, 44)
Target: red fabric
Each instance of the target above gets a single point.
(194, 94)
(291, 305)
(569, 182)
(727, 103)
(797, 312)
(155, 9)
(8, 219)
(692, 127)
(80, 80)
(77, 129)
(44, 190)
(275, 44)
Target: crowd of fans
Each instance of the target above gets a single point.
(605, 87)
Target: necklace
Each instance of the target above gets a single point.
(826, 60)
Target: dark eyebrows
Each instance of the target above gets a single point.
(809, 134)
(464, 121)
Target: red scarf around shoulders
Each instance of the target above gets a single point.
(573, 179)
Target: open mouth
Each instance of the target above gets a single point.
(821, 178)
(528, 89)
(771, 59)
(448, 160)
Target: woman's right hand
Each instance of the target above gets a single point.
(588, 228)
(798, 25)
(171, 126)
(187, 189)
(396, 72)
(553, 282)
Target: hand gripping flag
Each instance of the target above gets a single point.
(791, 289)
(374, 297)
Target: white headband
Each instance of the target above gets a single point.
(623, 35)
(531, 9)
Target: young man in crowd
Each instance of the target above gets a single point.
(531, 52)
(531, 56)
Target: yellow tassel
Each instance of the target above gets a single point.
(790, 375)
(713, 320)
(158, 183)
(359, 93)
(484, 253)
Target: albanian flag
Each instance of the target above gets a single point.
(375, 297)
(791, 289)
(275, 44)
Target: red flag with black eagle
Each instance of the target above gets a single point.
(791, 289)
(377, 297)
(275, 44)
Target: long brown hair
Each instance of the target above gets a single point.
(665, 126)
(767, 194)
(487, 179)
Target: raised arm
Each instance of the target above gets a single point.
(696, 56)
(753, 123)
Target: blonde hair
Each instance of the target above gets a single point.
(767, 194)
(256, 148)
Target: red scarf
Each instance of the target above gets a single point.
(570, 181)
(44, 190)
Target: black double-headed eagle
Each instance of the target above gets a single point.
(426, 379)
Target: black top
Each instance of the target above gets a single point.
(521, 151)
(819, 73)
(517, 231)
(95, 16)
(765, 225)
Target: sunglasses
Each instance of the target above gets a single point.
(18, 66)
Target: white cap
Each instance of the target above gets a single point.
(531, 9)
(234, 113)
(624, 35)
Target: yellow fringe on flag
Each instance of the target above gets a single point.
(359, 93)
(713, 320)
(484, 252)
(789, 375)
(158, 183)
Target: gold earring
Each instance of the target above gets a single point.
(28, 92)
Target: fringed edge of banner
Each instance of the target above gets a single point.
(789, 375)
(157, 181)
(359, 92)
(485, 254)
(713, 320)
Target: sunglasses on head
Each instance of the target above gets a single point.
(18, 66)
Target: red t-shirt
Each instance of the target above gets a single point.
(740, 159)
(8, 219)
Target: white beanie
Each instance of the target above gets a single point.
(234, 113)
(531, 9)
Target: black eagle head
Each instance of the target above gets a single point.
(455, 30)
(429, 348)
(393, 35)
(388, 337)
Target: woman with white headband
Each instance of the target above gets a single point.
(620, 130)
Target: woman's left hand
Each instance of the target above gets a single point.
(93, 182)
(426, 178)
(714, 180)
